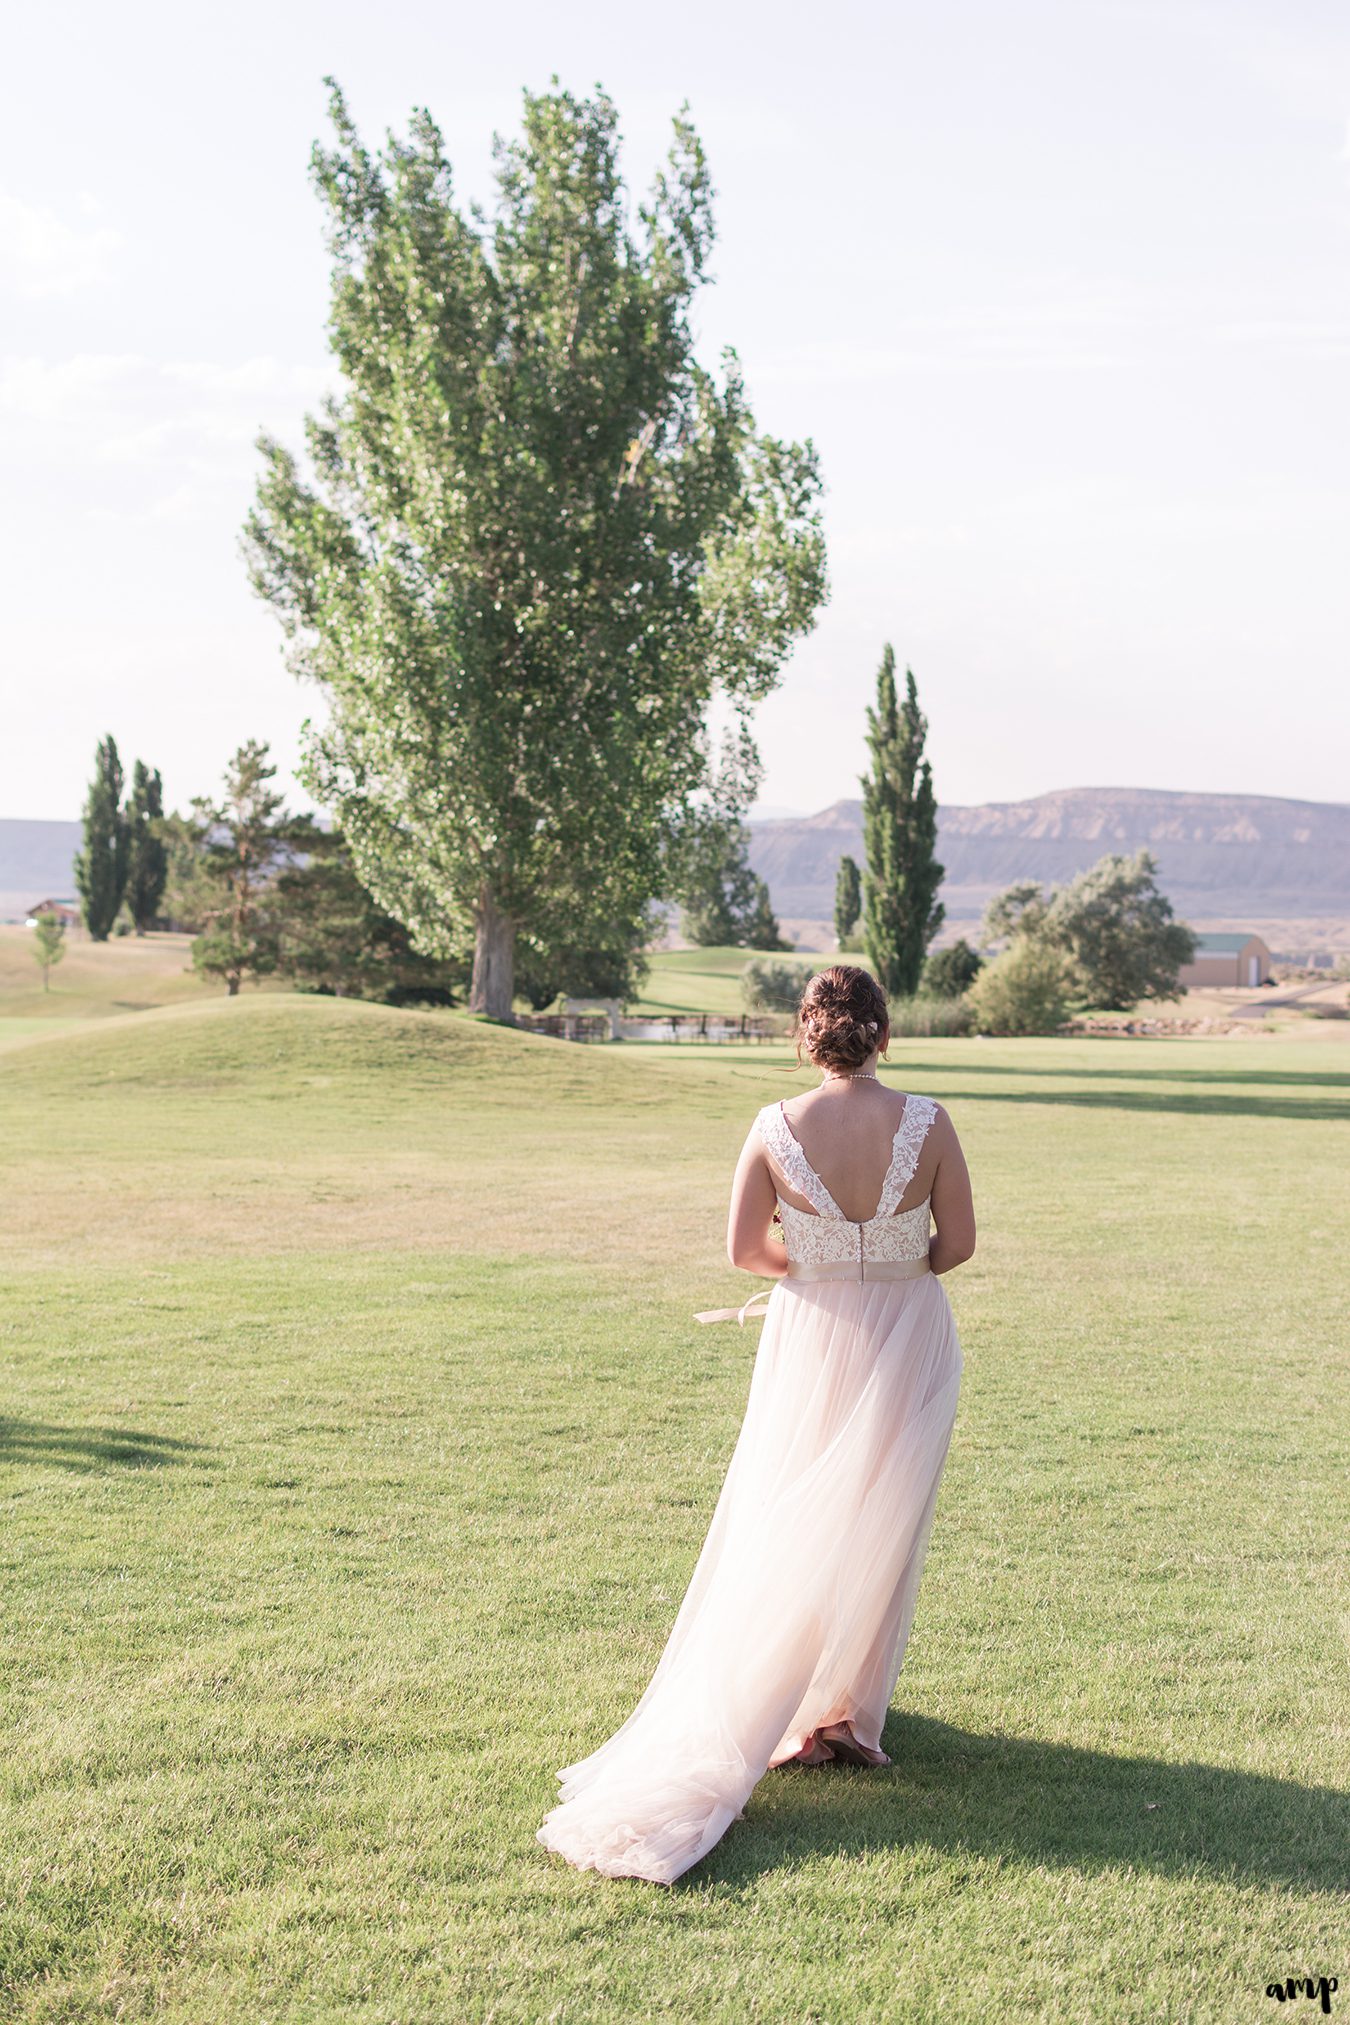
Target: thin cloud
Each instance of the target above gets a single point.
(183, 419)
(44, 254)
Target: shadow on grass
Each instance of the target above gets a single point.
(1263, 1079)
(1176, 1103)
(1193, 1092)
(1039, 1803)
(84, 1448)
(1233, 1093)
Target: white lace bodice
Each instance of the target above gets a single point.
(823, 1235)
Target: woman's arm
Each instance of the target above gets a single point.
(753, 1202)
(953, 1211)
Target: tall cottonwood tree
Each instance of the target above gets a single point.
(538, 535)
(101, 864)
(901, 911)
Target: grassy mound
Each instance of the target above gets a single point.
(282, 1122)
(285, 1044)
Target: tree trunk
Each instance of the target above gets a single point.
(494, 960)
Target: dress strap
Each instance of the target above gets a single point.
(788, 1157)
(919, 1114)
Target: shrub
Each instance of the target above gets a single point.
(949, 972)
(1023, 991)
(767, 986)
(930, 1014)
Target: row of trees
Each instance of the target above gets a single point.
(270, 893)
(1106, 939)
(530, 543)
(122, 860)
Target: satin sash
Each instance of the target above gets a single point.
(863, 1271)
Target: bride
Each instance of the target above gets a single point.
(791, 1634)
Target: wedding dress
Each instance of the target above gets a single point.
(794, 1626)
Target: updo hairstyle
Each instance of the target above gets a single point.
(841, 1017)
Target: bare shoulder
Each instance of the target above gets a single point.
(941, 1130)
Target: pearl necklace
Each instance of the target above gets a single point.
(853, 1076)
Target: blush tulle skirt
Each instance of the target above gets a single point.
(799, 1609)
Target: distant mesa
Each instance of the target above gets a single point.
(1249, 856)
(36, 859)
(1253, 860)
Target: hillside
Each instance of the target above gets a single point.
(1254, 857)
(1253, 860)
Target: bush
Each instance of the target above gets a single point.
(950, 972)
(767, 986)
(929, 1015)
(1023, 991)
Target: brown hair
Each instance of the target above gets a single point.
(841, 1017)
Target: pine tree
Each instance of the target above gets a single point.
(901, 910)
(331, 937)
(847, 900)
(242, 843)
(101, 867)
(147, 857)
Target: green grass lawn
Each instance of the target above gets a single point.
(359, 1443)
(702, 980)
(128, 973)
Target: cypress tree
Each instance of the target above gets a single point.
(901, 910)
(147, 858)
(847, 900)
(101, 867)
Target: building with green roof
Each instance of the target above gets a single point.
(1227, 959)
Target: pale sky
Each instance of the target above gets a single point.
(1061, 291)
